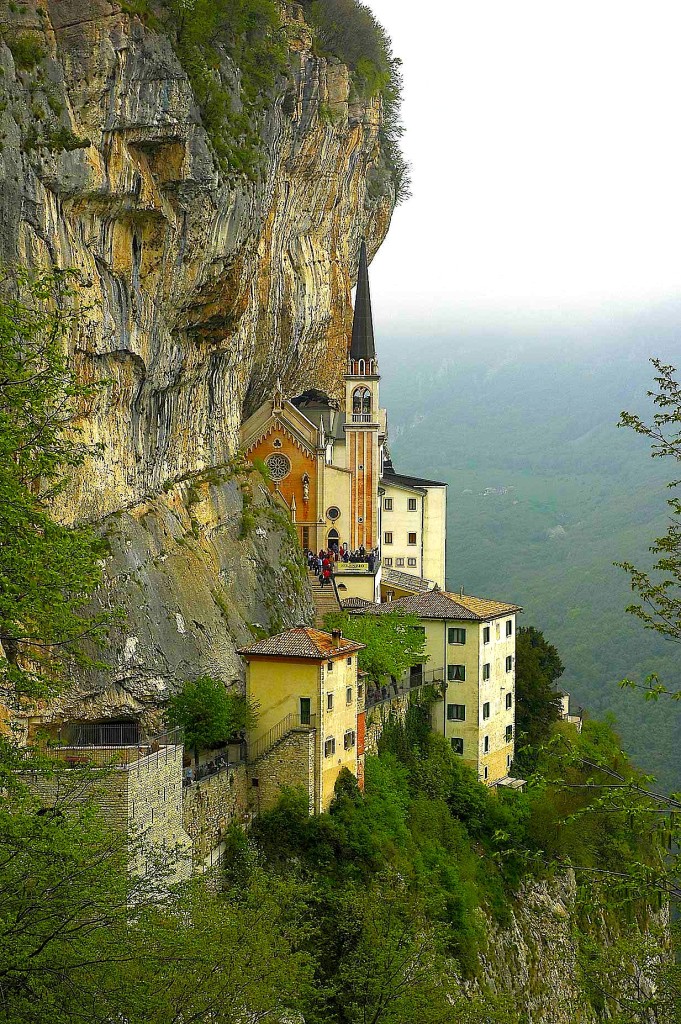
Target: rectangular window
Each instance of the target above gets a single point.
(485, 670)
(349, 661)
(509, 701)
(485, 773)
(411, 538)
(456, 635)
(509, 733)
(509, 627)
(456, 673)
(411, 562)
(329, 747)
(360, 691)
(349, 739)
(485, 745)
(399, 562)
(329, 666)
(457, 744)
(485, 710)
(387, 538)
(508, 760)
(329, 702)
(388, 504)
(412, 505)
(305, 711)
(348, 695)
(456, 712)
(485, 635)
(509, 663)
(387, 561)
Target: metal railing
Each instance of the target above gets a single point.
(129, 757)
(392, 691)
(277, 733)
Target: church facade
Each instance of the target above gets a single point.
(328, 463)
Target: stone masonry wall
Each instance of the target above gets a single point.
(290, 763)
(210, 806)
(155, 805)
(377, 717)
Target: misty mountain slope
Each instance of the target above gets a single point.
(545, 494)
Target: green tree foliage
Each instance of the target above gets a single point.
(537, 669)
(658, 591)
(348, 29)
(46, 570)
(233, 52)
(392, 641)
(72, 951)
(208, 713)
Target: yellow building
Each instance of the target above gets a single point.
(305, 684)
(470, 643)
(413, 531)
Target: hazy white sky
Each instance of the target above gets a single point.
(546, 149)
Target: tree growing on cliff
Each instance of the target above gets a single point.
(209, 714)
(658, 590)
(393, 642)
(538, 667)
(46, 570)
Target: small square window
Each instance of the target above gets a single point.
(388, 504)
(387, 561)
(387, 538)
(348, 695)
(412, 505)
(456, 712)
(411, 562)
(399, 562)
(456, 635)
(509, 701)
(485, 670)
(349, 739)
(457, 744)
(485, 635)
(509, 733)
(509, 663)
(509, 627)
(411, 538)
(485, 710)
(485, 745)
(329, 702)
(456, 673)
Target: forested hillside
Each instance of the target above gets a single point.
(546, 493)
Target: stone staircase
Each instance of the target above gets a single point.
(325, 599)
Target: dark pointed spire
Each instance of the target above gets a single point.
(362, 344)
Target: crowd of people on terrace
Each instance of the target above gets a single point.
(323, 563)
(192, 773)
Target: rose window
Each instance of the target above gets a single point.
(279, 466)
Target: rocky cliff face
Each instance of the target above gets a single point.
(198, 290)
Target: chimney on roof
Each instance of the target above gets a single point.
(460, 591)
(336, 637)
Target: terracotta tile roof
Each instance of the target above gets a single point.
(350, 603)
(485, 608)
(439, 604)
(301, 642)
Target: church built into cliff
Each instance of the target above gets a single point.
(328, 463)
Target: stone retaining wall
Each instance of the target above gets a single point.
(290, 763)
(210, 805)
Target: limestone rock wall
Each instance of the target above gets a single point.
(198, 290)
(192, 574)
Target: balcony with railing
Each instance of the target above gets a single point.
(411, 684)
(141, 755)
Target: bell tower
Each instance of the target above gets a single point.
(364, 421)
